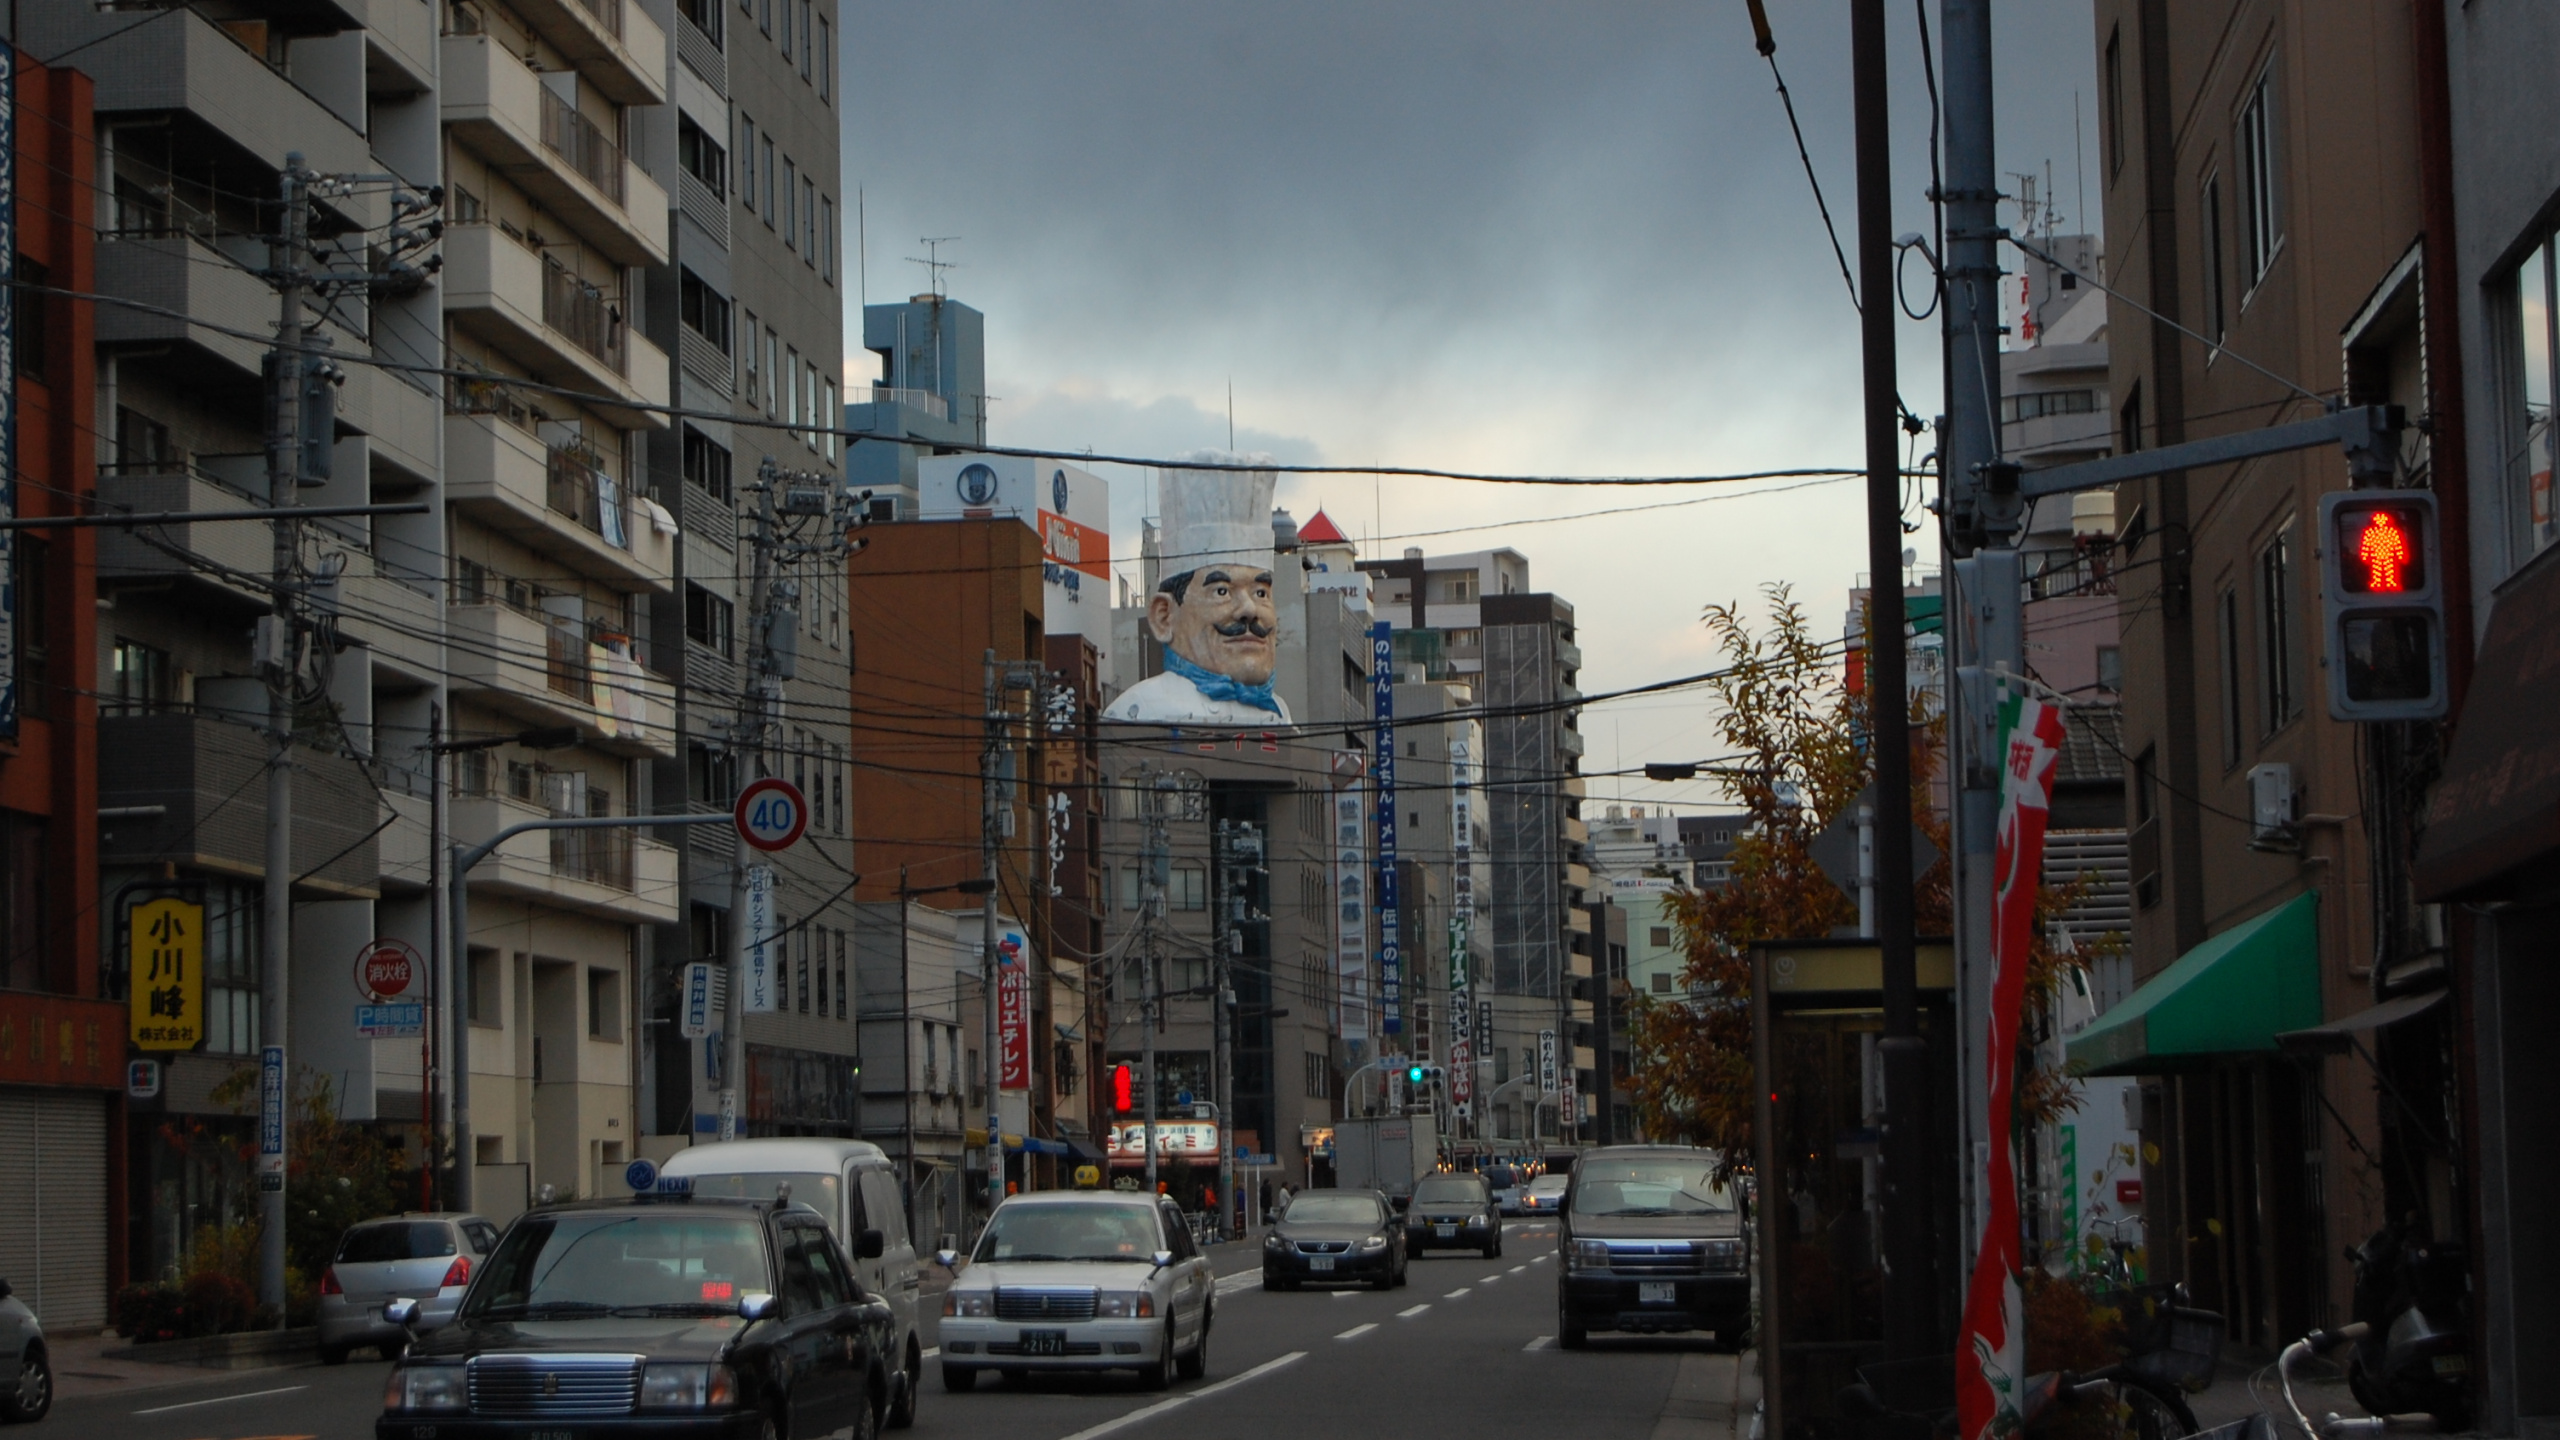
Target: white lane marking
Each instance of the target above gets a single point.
(1345, 1294)
(1416, 1310)
(1541, 1260)
(1490, 1280)
(929, 1354)
(1454, 1294)
(1176, 1402)
(1356, 1331)
(222, 1399)
(1516, 1269)
(1241, 1280)
(1540, 1343)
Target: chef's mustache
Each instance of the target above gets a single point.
(1239, 629)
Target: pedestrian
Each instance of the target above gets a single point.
(1266, 1200)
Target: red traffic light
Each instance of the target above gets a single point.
(1122, 1087)
(2380, 549)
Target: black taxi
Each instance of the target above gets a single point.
(662, 1316)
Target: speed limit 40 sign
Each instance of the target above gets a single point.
(771, 814)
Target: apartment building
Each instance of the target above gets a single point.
(930, 399)
(750, 307)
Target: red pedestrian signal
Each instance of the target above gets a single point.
(1122, 1088)
(2379, 547)
(2384, 617)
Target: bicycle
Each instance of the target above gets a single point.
(1908, 1399)
(2335, 1426)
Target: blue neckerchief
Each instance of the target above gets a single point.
(1221, 687)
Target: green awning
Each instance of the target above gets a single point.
(2231, 995)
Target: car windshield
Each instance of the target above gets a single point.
(637, 1261)
(1450, 1190)
(1672, 1185)
(822, 1193)
(1070, 1231)
(1500, 1177)
(1334, 1210)
(1549, 1185)
(396, 1240)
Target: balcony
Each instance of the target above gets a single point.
(181, 63)
(394, 614)
(614, 44)
(563, 331)
(241, 546)
(563, 160)
(183, 273)
(202, 772)
(614, 875)
(546, 671)
(555, 503)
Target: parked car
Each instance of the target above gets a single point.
(422, 1255)
(1079, 1280)
(852, 1186)
(1328, 1237)
(1651, 1242)
(658, 1316)
(1544, 1195)
(1453, 1212)
(22, 1343)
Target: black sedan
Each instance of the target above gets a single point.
(1329, 1237)
(661, 1317)
(1453, 1212)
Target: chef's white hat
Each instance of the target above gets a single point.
(1216, 517)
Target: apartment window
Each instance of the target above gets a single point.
(142, 444)
(2226, 629)
(2111, 668)
(2216, 317)
(232, 972)
(752, 376)
(702, 15)
(1132, 882)
(806, 12)
(28, 343)
(844, 971)
(2527, 417)
(1319, 1074)
(1660, 937)
(1190, 887)
(764, 15)
(2279, 638)
(485, 1000)
(800, 945)
(699, 154)
(2114, 78)
(790, 198)
(604, 1004)
(826, 246)
(809, 379)
(808, 220)
(138, 678)
(707, 620)
(705, 311)
(2129, 422)
(831, 416)
(746, 161)
(706, 464)
(1662, 982)
(2260, 227)
(710, 776)
(826, 48)
(785, 38)
(768, 182)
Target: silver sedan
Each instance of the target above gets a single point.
(1079, 1280)
(29, 1374)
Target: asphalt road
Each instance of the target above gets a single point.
(1467, 1348)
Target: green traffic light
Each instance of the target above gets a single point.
(1414, 1074)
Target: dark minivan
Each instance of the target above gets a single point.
(1652, 1242)
(665, 1316)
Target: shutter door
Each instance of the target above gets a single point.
(53, 1211)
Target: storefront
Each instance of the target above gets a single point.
(61, 1076)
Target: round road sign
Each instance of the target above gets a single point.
(385, 969)
(771, 814)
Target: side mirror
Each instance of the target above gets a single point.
(870, 1245)
(401, 1312)
(7, 1290)
(1162, 1258)
(947, 1258)
(756, 1305)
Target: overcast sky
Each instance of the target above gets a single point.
(1565, 238)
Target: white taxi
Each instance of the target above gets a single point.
(1079, 1280)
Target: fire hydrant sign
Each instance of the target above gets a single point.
(385, 969)
(771, 814)
(165, 974)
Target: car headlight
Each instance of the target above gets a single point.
(1721, 1255)
(1274, 1242)
(1123, 1305)
(968, 1304)
(1589, 1255)
(1374, 1242)
(425, 1387)
(688, 1387)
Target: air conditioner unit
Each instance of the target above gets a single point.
(2271, 808)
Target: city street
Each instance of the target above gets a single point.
(1467, 1348)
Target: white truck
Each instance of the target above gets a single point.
(1385, 1153)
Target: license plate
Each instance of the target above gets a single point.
(1319, 1263)
(1445, 1232)
(1657, 1292)
(1044, 1342)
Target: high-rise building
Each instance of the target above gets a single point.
(930, 399)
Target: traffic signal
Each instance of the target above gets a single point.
(1416, 1074)
(2382, 601)
(1123, 1088)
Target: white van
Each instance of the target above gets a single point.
(852, 1184)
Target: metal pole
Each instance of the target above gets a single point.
(440, 1013)
(989, 824)
(458, 962)
(1908, 1300)
(1222, 1002)
(1152, 1000)
(280, 652)
(754, 713)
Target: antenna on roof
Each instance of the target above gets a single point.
(933, 262)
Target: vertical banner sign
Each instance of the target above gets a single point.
(696, 1020)
(1462, 918)
(1547, 1061)
(271, 1118)
(1013, 1009)
(164, 969)
(9, 605)
(1351, 912)
(764, 970)
(1991, 1359)
(1382, 691)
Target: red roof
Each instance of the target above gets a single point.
(1320, 530)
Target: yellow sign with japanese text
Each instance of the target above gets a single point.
(165, 974)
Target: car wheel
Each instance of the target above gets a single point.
(902, 1410)
(1570, 1336)
(1196, 1364)
(334, 1354)
(1159, 1376)
(959, 1379)
(1270, 1281)
(866, 1417)
(28, 1400)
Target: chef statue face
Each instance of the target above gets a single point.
(1221, 618)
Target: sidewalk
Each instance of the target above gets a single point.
(2320, 1387)
(109, 1364)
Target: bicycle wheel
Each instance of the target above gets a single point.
(2149, 1415)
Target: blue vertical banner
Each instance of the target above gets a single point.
(1382, 690)
(9, 606)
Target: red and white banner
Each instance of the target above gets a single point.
(1991, 1360)
(1013, 1009)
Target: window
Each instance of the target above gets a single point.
(2216, 318)
(843, 971)
(2279, 641)
(799, 943)
(806, 10)
(768, 182)
(705, 311)
(830, 417)
(2036, 404)
(2114, 79)
(1659, 937)
(138, 678)
(2261, 229)
(1319, 1075)
(786, 378)
(604, 1004)
(826, 48)
(699, 154)
(826, 246)
(142, 444)
(702, 15)
(1190, 887)
(2527, 418)
(764, 16)
(28, 343)
(746, 161)
(710, 776)
(2129, 422)
(752, 377)
(808, 220)
(231, 967)
(1662, 982)
(707, 620)
(776, 377)
(2226, 629)
(790, 198)
(2111, 668)
(785, 38)
(706, 464)
(1133, 885)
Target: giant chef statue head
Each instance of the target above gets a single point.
(1214, 613)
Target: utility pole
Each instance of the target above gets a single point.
(1908, 1295)
(1159, 870)
(278, 657)
(990, 839)
(1239, 860)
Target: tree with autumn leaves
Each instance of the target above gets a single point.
(1794, 730)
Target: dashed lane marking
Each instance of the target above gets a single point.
(1541, 1260)
(929, 1354)
(1095, 1432)
(222, 1399)
(1345, 1294)
(1541, 1343)
(1490, 1280)
(1516, 1269)
(1454, 1294)
(1416, 1310)
(1356, 1331)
